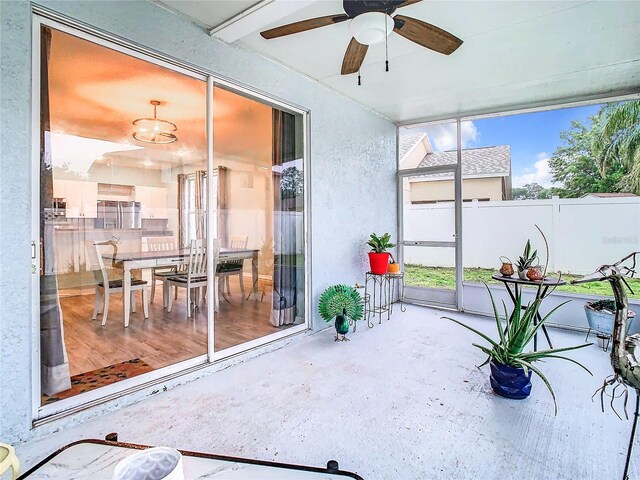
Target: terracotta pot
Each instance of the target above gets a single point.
(393, 268)
(506, 270)
(535, 274)
(379, 262)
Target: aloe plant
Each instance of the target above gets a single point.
(380, 244)
(527, 258)
(512, 340)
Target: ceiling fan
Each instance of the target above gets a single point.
(370, 23)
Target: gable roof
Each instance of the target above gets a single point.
(407, 142)
(476, 162)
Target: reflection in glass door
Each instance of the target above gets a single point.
(258, 159)
(138, 179)
(116, 134)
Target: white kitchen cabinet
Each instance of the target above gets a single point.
(89, 199)
(153, 201)
(59, 188)
(81, 197)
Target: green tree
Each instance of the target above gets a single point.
(291, 182)
(574, 166)
(530, 191)
(617, 143)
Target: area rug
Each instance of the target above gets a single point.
(85, 382)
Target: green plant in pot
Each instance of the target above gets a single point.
(378, 256)
(512, 366)
(525, 261)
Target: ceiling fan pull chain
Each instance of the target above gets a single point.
(386, 47)
(359, 82)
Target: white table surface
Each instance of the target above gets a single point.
(97, 462)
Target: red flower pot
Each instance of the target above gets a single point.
(379, 262)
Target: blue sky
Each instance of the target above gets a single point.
(533, 138)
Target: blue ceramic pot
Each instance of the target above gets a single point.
(510, 382)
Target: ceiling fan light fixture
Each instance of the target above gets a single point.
(371, 28)
(154, 130)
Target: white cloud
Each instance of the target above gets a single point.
(540, 173)
(443, 137)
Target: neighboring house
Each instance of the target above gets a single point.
(486, 171)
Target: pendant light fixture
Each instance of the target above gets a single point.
(154, 130)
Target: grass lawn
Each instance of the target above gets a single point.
(444, 277)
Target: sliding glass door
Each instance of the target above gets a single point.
(115, 134)
(136, 183)
(259, 169)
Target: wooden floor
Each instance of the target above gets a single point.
(164, 338)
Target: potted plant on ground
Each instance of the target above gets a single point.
(525, 261)
(601, 317)
(378, 256)
(512, 366)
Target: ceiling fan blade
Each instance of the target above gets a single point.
(303, 26)
(427, 35)
(353, 57)
(406, 3)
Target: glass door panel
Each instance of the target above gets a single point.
(259, 162)
(118, 134)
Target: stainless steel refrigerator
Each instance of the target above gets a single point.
(118, 214)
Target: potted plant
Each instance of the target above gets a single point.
(394, 267)
(512, 366)
(601, 316)
(525, 261)
(378, 256)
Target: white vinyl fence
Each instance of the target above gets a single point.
(583, 233)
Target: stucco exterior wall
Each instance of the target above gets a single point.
(353, 164)
(480, 188)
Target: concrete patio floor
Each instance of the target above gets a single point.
(402, 400)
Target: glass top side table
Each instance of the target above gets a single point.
(96, 459)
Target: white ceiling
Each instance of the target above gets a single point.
(209, 12)
(515, 54)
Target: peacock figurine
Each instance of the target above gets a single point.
(343, 303)
(625, 353)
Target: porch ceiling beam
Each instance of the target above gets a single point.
(256, 18)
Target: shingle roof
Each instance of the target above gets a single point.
(609, 195)
(476, 162)
(407, 141)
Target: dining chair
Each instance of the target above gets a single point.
(233, 267)
(195, 277)
(106, 286)
(163, 244)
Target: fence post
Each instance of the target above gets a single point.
(555, 230)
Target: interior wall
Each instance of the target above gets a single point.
(352, 178)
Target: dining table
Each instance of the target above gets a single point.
(140, 260)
